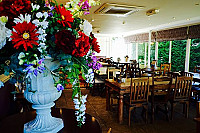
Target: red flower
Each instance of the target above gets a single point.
(94, 43)
(82, 45)
(25, 35)
(65, 15)
(65, 41)
(13, 8)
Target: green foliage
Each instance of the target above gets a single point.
(163, 52)
(178, 55)
(152, 57)
(194, 54)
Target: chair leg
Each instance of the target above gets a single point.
(152, 112)
(146, 114)
(184, 108)
(129, 117)
(187, 109)
(172, 110)
(167, 111)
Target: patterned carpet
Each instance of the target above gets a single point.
(96, 106)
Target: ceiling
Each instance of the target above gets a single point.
(172, 13)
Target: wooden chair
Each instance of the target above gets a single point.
(165, 69)
(181, 94)
(187, 74)
(134, 71)
(113, 94)
(160, 93)
(139, 92)
(98, 85)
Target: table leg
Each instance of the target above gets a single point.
(107, 98)
(120, 109)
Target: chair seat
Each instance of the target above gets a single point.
(158, 99)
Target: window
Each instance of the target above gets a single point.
(194, 54)
(152, 53)
(163, 52)
(178, 55)
(141, 54)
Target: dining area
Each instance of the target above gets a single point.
(153, 90)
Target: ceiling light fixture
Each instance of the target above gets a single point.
(152, 12)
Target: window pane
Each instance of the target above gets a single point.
(141, 52)
(152, 53)
(194, 54)
(163, 52)
(178, 55)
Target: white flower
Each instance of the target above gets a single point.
(1, 84)
(44, 24)
(3, 35)
(20, 56)
(76, 95)
(35, 7)
(21, 18)
(39, 15)
(83, 99)
(86, 27)
(77, 107)
(8, 34)
(36, 22)
(82, 114)
(76, 101)
(45, 14)
(82, 107)
(89, 76)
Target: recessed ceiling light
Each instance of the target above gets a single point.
(92, 20)
(187, 19)
(174, 18)
(197, 4)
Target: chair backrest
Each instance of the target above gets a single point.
(165, 68)
(134, 70)
(139, 90)
(187, 74)
(113, 70)
(183, 87)
(161, 86)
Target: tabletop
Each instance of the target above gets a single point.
(15, 123)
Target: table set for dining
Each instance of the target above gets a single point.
(123, 88)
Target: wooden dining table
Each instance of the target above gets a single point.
(121, 89)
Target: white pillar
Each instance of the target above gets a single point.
(187, 57)
(145, 55)
(156, 51)
(136, 52)
(149, 50)
(170, 51)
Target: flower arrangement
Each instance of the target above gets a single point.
(31, 30)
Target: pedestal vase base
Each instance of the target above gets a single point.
(36, 126)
